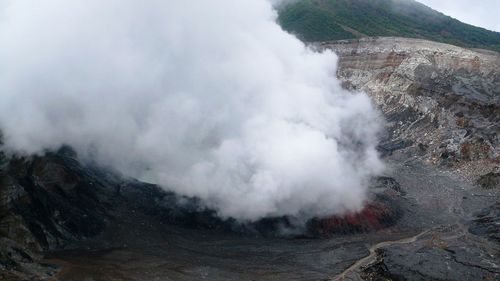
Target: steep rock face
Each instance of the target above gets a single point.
(45, 204)
(440, 100)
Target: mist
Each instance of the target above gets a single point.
(210, 99)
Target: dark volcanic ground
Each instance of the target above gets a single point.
(151, 251)
(173, 253)
(435, 215)
(134, 231)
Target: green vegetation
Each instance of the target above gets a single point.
(323, 20)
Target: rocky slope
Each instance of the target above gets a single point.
(442, 102)
(442, 105)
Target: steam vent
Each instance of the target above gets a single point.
(374, 216)
(249, 140)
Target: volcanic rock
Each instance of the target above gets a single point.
(489, 181)
(441, 102)
(487, 223)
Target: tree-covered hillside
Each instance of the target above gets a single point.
(323, 20)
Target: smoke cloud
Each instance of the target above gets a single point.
(210, 99)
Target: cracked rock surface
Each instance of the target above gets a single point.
(441, 102)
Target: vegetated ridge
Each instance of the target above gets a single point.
(326, 20)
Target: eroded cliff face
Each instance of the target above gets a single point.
(442, 105)
(441, 102)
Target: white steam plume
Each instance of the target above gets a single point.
(207, 98)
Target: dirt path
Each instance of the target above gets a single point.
(366, 260)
